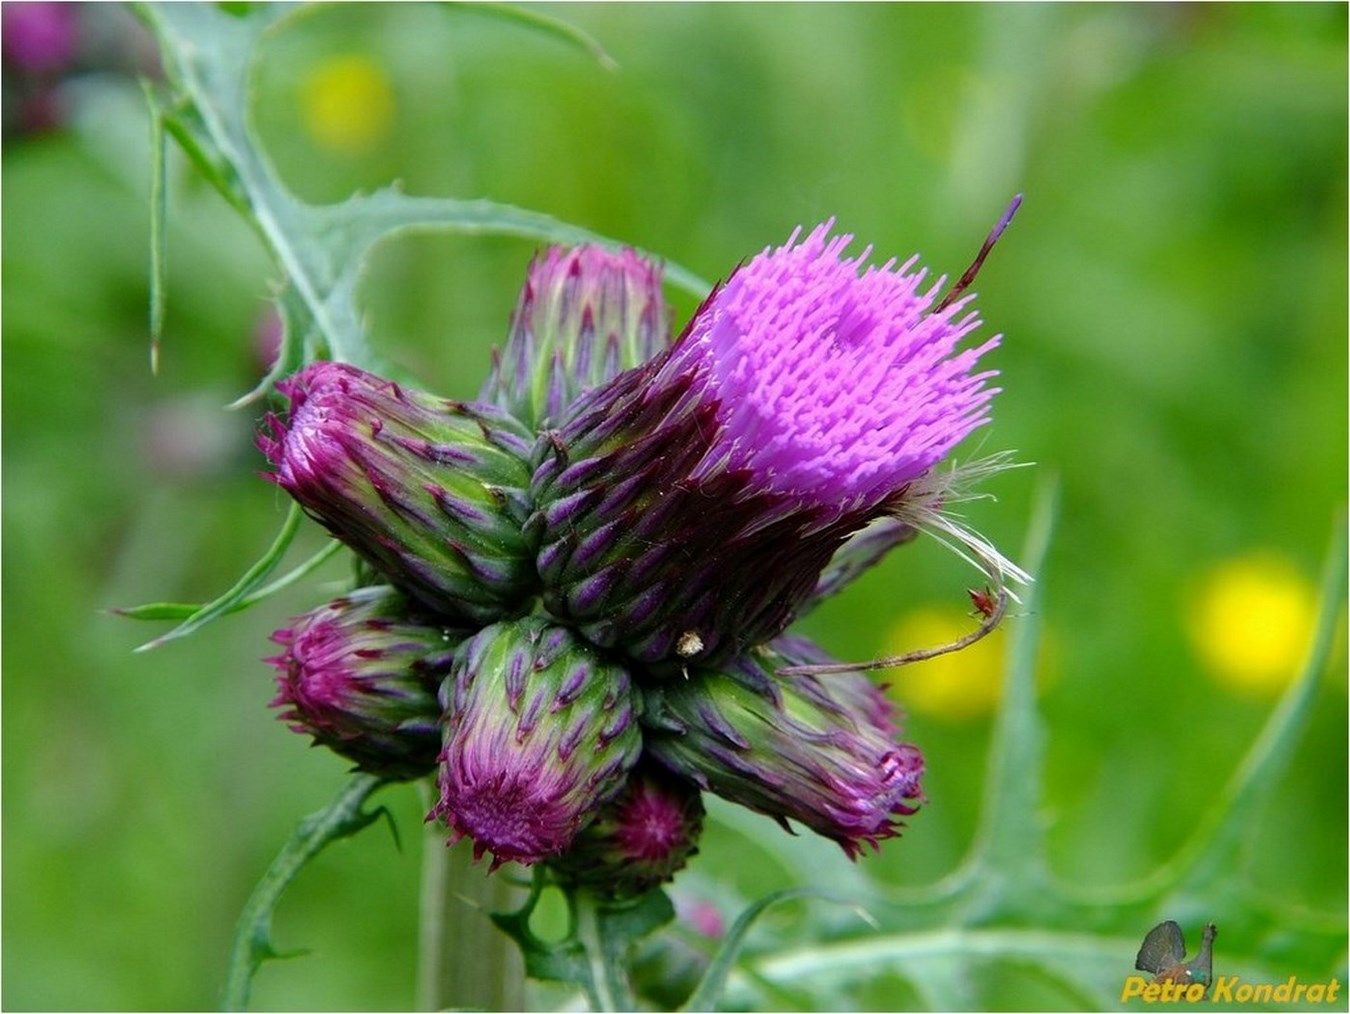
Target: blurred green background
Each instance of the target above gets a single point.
(1174, 299)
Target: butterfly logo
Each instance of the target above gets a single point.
(1163, 953)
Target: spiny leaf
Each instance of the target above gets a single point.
(1010, 838)
(252, 941)
(1003, 908)
(1220, 835)
(187, 610)
(710, 989)
(539, 21)
(253, 577)
(158, 223)
(322, 250)
(606, 932)
(296, 337)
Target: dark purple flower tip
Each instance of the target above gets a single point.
(430, 492)
(639, 839)
(541, 732)
(584, 314)
(360, 674)
(817, 750)
(40, 37)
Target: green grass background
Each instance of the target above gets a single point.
(1174, 299)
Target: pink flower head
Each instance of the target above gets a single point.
(639, 839)
(40, 37)
(835, 382)
(688, 509)
(361, 675)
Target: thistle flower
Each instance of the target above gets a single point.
(430, 492)
(360, 675)
(639, 839)
(687, 509)
(584, 315)
(540, 733)
(820, 751)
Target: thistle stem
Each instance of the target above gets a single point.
(606, 983)
(463, 961)
(252, 939)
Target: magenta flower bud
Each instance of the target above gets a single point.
(639, 839)
(40, 38)
(541, 731)
(817, 750)
(360, 675)
(430, 492)
(687, 509)
(584, 315)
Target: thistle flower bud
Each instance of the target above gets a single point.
(687, 509)
(817, 750)
(639, 839)
(430, 492)
(360, 675)
(541, 732)
(584, 315)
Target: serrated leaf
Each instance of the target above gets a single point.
(252, 578)
(709, 991)
(1004, 906)
(187, 610)
(158, 223)
(322, 250)
(253, 941)
(296, 337)
(541, 22)
(1010, 839)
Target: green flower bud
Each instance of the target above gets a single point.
(541, 731)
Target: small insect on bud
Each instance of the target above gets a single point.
(689, 644)
(984, 600)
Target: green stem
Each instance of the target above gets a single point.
(252, 941)
(606, 979)
(463, 961)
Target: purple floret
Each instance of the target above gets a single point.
(833, 381)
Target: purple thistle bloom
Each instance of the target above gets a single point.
(360, 675)
(820, 751)
(834, 383)
(40, 38)
(540, 733)
(687, 509)
(430, 492)
(639, 839)
(584, 315)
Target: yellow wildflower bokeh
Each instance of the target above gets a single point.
(960, 686)
(1251, 622)
(347, 104)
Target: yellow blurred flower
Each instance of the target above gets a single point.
(1251, 622)
(965, 684)
(347, 104)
